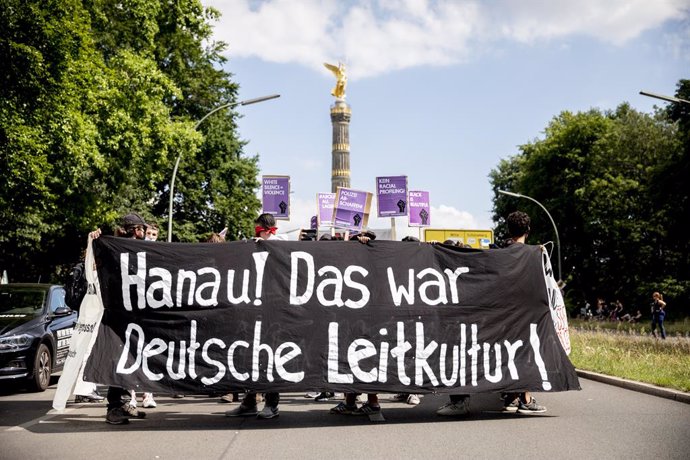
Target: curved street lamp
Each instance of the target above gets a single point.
(558, 241)
(665, 98)
(179, 157)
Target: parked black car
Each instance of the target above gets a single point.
(35, 331)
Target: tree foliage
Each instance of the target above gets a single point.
(97, 100)
(612, 182)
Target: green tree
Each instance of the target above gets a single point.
(92, 117)
(597, 174)
(216, 184)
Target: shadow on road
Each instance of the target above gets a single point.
(196, 413)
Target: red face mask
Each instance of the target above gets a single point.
(258, 229)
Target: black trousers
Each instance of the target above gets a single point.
(117, 397)
(271, 399)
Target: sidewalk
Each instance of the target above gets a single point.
(647, 388)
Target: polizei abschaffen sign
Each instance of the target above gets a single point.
(293, 316)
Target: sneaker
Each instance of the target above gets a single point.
(89, 398)
(511, 406)
(268, 412)
(148, 401)
(367, 409)
(324, 396)
(455, 409)
(133, 412)
(343, 408)
(400, 397)
(312, 395)
(178, 396)
(242, 411)
(413, 400)
(228, 398)
(117, 416)
(531, 408)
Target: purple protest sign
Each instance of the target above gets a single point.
(351, 209)
(391, 194)
(324, 205)
(276, 196)
(420, 210)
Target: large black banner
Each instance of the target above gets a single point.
(294, 316)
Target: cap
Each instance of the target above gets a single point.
(132, 220)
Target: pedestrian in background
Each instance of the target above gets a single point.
(658, 308)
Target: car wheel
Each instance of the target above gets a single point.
(43, 367)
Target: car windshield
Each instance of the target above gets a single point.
(22, 301)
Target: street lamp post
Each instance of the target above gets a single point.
(179, 157)
(665, 98)
(558, 241)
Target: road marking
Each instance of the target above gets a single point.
(51, 414)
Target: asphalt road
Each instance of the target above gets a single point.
(601, 421)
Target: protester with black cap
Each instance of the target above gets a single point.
(119, 410)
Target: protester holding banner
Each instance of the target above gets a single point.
(518, 228)
(232, 396)
(265, 228)
(371, 407)
(119, 410)
(408, 398)
(148, 402)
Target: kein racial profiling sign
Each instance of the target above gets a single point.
(391, 194)
(293, 316)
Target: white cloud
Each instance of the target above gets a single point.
(614, 21)
(379, 36)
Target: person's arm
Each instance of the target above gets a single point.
(95, 234)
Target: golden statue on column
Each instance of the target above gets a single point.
(341, 79)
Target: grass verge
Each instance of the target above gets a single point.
(630, 355)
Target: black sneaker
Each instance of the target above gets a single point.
(511, 406)
(269, 412)
(531, 408)
(117, 416)
(132, 411)
(242, 411)
(324, 396)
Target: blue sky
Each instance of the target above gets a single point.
(440, 91)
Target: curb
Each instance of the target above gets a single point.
(646, 388)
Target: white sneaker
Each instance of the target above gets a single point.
(148, 401)
(413, 400)
(455, 409)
